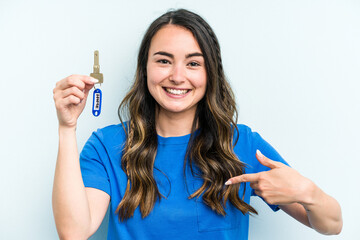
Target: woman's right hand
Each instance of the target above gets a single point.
(70, 96)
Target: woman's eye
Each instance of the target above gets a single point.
(194, 64)
(163, 61)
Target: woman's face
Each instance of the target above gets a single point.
(176, 74)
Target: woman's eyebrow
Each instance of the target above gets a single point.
(195, 54)
(165, 54)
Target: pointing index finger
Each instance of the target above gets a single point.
(253, 177)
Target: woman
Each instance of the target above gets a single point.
(181, 167)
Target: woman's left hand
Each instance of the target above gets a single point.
(280, 185)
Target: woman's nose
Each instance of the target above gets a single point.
(178, 74)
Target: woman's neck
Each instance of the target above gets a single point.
(170, 124)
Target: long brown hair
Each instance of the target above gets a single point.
(211, 150)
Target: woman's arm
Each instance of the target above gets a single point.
(296, 195)
(320, 211)
(78, 211)
(70, 203)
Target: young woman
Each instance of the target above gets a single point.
(180, 167)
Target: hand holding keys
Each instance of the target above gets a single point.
(70, 95)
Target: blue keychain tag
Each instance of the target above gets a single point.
(97, 100)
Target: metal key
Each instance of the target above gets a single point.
(96, 72)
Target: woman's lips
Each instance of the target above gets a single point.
(175, 95)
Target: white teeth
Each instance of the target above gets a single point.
(175, 91)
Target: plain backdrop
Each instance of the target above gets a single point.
(293, 65)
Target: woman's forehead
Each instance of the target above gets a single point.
(174, 38)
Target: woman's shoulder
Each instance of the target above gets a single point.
(113, 133)
(245, 139)
(249, 141)
(243, 128)
(245, 132)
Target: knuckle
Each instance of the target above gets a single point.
(70, 80)
(241, 179)
(73, 98)
(82, 85)
(78, 100)
(73, 89)
(262, 176)
(268, 198)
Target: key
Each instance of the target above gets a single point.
(97, 95)
(96, 72)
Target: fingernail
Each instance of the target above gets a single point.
(228, 182)
(94, 80)
(259, 153)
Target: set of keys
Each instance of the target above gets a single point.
(97, 95)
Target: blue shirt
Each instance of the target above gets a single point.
(176, 217)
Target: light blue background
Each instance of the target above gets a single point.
(294, 66)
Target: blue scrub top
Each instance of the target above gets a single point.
(175, 217)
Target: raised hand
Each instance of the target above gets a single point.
(280, 185)
(70, 96)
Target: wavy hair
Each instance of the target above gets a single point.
(211, 150)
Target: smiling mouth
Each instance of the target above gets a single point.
(176, 91)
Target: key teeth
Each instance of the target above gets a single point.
(96, 68)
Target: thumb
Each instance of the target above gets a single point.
(266, 161)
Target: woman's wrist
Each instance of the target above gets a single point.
(312, 196)
(66, 129)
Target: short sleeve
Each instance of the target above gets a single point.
(93, 171)
(267, 150)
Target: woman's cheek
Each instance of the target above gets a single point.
(198, 79)
(158, 73)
